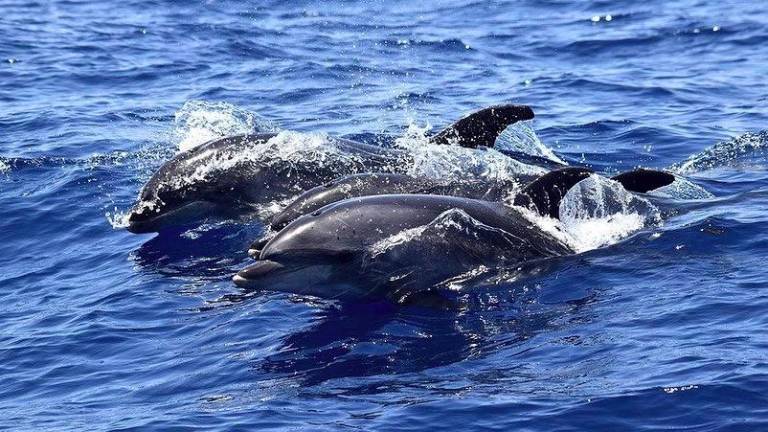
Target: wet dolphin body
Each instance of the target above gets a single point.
(336, 252)
(369, 184)
(355, 247)
(219, 179)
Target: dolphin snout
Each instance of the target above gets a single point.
(253, 275)
(140, 221)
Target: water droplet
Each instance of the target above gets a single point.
(608, 17)
(596, 18)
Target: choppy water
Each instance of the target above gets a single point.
(105, 330)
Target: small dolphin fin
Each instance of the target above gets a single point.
(544, 194)
(644, 180)
(481, 128)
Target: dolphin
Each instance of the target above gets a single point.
(230, 176)
(369, 184)
(397, 245)
(341, 251)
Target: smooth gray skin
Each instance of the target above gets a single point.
(170, 197)
(328, 253)
(369, 184)
(176, 196)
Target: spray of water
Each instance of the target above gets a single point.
(199, 121)
(741, 150)
(598, 212)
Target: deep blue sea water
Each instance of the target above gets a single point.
(107, 330)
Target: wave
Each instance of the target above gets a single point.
(749, 149)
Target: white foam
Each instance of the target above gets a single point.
(597, 212)
(455, 162)
(287, 146)
(198, 122)
(118, 218)
(4, 167)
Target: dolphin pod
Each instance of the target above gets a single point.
(365, 228)
(228, 176)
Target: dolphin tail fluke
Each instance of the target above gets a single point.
(644, 180)
(481, 128)
(544, 194)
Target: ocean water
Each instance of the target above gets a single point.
(659, 324)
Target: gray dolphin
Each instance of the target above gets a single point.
(369, 184)
(229, 176)
(399, 244)
(354, 248)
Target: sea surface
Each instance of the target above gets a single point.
(657, 326)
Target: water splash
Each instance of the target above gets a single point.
(455, 162)
(521, 137)
(118, 218)
(315, 149)
(597, 212)
(199, 121)
(454, 236)
(4, 167)
(746, 150)
(682, 189)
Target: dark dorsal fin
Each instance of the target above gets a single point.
(481, 128)
(544, 194)
(644, 180)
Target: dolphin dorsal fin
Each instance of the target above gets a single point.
(644, 180)
(481, 128)
(544, 194)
